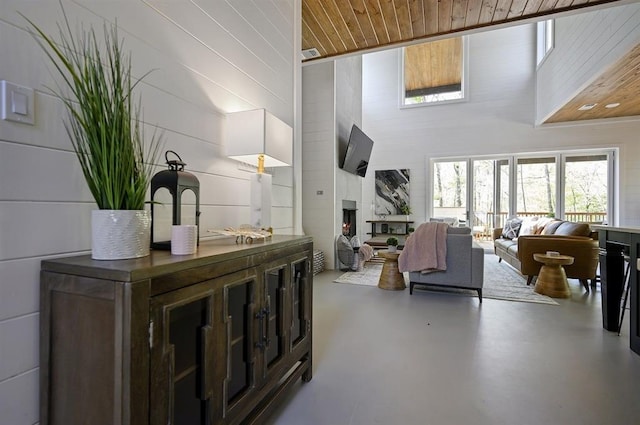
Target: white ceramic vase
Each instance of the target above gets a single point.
(392, 248)
(120, 234)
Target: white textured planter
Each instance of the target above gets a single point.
(392, 248)
(120, 234)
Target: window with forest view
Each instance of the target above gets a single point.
(536, 186)
(585, 190)
(450, 189)
(484, 192)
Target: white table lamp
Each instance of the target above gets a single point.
(257, 137)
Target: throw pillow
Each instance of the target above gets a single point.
(528, 226)
(345, 251)
(542, 223)
(511, 228)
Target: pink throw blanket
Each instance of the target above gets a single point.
(426, 249)
(365, 253)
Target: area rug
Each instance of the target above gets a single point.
(501, 282)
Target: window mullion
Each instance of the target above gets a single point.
(560, 185)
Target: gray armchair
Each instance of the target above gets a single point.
(465, 264)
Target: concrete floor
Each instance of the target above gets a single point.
(434, 358)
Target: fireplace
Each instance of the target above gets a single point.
(349, 226)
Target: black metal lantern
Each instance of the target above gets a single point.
(175, 199)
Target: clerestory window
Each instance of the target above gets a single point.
(545, 40)
(433, 72)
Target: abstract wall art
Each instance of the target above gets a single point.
(392, 191)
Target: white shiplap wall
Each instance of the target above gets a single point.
(209, 58)
(348, 88)
(498, 118)
(318, 156)
(586, 45)
(331, 103)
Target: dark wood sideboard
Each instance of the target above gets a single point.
(614, 243)
(211, 338)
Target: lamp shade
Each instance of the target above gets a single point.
(257, 132)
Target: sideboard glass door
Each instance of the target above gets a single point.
(181, 329)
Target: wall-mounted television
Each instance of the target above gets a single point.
(356, 158)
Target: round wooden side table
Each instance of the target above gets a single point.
(390, 278)
(552, 280)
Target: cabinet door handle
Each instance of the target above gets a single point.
(251, 314)
(171, 359)
(228, 354)
(282, 312)
(307, 291)
(260, 316)
(205, 382)
(267, 311)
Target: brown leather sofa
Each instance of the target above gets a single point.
(565, 237)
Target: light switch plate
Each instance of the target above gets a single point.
(17, 103)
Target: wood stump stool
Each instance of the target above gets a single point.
(390, 278)
(552, 280)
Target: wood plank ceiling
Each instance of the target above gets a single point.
(614, 94)
(340, 27)
(432, 65)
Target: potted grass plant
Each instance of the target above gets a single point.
(106, 131)
(392, 244)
